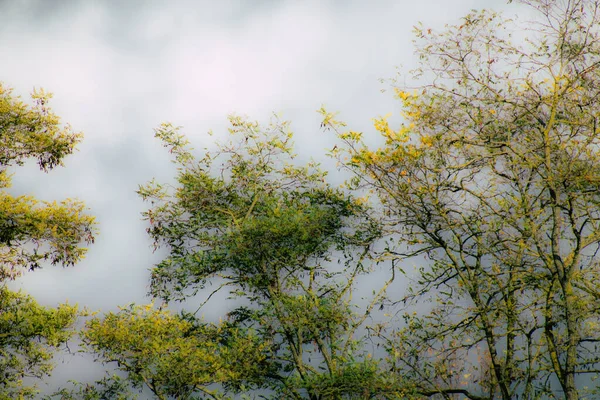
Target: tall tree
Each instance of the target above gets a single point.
(31, 233)
(494, 178)
(245, 218)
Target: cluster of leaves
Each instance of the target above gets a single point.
(28, 334)
(31, 234)
(176, 355)
(33, 132)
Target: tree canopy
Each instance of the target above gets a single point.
(494, 178)
(275, 235)
(31, 233)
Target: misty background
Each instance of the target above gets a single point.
(119, 68)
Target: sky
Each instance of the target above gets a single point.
(119, 68)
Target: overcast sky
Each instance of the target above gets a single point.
(119, 68)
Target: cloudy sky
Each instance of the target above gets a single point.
(119, 68)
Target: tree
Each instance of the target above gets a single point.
(32, 232)
(281, 239)
(494, 178)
